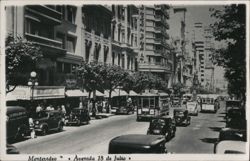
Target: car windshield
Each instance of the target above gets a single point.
(179, 113)
(41, 114)
(158, 122)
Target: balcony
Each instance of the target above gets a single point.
(46, 14)
(162, 9)
(47, 44)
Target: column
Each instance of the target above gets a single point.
(126, 24)
(125, 60)
(92, 49)
(80, 45)
(109, 56)
(101, 52)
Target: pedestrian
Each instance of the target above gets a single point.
(63, 109)
(80, 105)
(39, 108)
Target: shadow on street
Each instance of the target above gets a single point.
(209, 140)
(217, 129)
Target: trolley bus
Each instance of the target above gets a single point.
(151, 105)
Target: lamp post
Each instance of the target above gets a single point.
(32, 83)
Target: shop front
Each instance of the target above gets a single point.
(30, 97)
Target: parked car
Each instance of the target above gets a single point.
(232, 134)
(45, 121)
(162, 126)
(78, 116)
(230, 147)
(181, 117)
(176, 102)
(125, 109)
(192, 107)
(137, 143)
(17, 124)
(11, 149)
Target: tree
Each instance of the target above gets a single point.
(21, 57)
(230, 28)
(114, 77)
(90, 76)
(178, 89)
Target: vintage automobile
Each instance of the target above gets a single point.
(45, 121)
(176, 102)
(78, 116)
(11, 149)
(17, 124)
(181, 117)
(125, 110)
(230, 147)
(232, 134)
(162, 126)
(192, 107)
(233, 104)
(137, 143)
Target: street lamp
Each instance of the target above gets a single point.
(32, 83)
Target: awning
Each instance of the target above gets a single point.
(116, 93)
(133, 93)
(119, 92)
(40, 92)
(163, 94)
(97, 93)
(76, 93)
(48, 92)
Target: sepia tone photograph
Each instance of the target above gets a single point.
(138, 78)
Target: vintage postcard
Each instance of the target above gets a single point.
(124, 80)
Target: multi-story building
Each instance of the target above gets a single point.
(156, 57)
(204, 48)
(125, 36)
(200, 55)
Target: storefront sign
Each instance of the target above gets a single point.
(49, 92)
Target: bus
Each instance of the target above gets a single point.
(208, 104)
(151, 105)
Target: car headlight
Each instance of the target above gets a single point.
(37, 122)
(139, 111)
(151, 112)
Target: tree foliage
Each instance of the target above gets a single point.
(230, 28)
(21, 56)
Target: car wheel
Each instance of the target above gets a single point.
(44, 131)
(78, 123)
(60, 128)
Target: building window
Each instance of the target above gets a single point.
(71, 14)
(70, 44)
(39, 29)
(202, 80)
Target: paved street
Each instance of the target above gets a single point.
(94, 138)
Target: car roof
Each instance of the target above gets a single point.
(12, 109)
(231, 146)
(180, 109)
(138, 139)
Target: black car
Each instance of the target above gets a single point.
(17, 123)
(128, 109)
(78, 116)
(45, 121)
(137, 143)
(235, 118)
(162, 126)
(181, 117)
(10, 149)
(232, 134)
